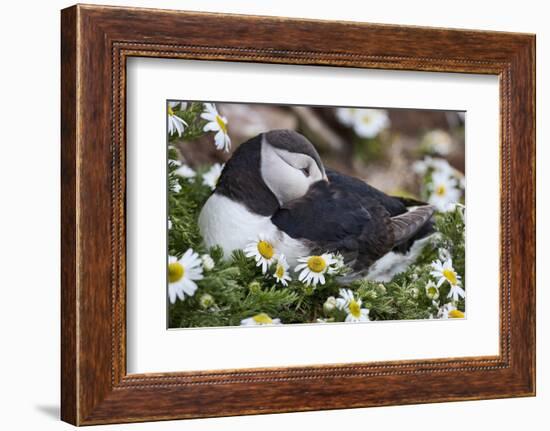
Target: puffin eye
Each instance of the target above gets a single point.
(305, 171)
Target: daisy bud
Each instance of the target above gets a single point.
(254, 287)
(308, 290)
(206, 301)
(414, 292)
(207, 262)
(329, 305)
(371, 294)
(432, 291)
(381, 289)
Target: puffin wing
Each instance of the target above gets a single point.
(393, 205)
(333, 220)
(418, 226)
(407, 225)
(359, 227)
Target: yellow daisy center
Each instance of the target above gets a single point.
(262, 318)
(456, 314)
(176, 271)
(355, 308)
(366, 120)
(432, 291)
(222, 124)
(450, 275)
(280, 271)
(440, 190)
(316, 263)
(170, 110)
(265, 249)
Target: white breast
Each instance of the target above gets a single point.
(392, 263)
(232, 226)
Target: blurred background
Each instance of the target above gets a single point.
(388, 148)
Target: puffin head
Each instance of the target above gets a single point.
(289, 165)
(270, 170)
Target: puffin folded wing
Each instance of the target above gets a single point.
(330, 219)
(406, 225)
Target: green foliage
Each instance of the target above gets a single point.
(195, 124)
(184, 207)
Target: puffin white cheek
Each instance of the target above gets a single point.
(284, 181)
(315, 173)
(287, 184)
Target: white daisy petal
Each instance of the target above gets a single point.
(210, 127)
(182, 274)
(216, 123)
(261, 319)
(172, 294)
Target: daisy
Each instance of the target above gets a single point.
(441, 165)
(445, 272)
(352, 306)
(174, 162)
(449, 310)
(175, 186)
(338, 265)
(420, 167)
(346, 295)
(281, 271)
(175, 123)
(435, 163)
(346, 115)
(216, 123)
(260, 320)
(211, 177)
(369, 122)
(263, 252)
(432, 291)
(185, 171)
(462, 182)
(456, 292)
(182, 106)
(313, 268)
(182, 275)
(438, 141)
(444, 191)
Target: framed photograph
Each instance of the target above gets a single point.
(281, 215)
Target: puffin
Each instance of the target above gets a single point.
(276, 186)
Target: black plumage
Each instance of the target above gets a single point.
(349, 216)
(241, 179)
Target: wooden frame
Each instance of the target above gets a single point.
(96, 41)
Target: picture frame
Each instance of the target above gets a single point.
(96, 42)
